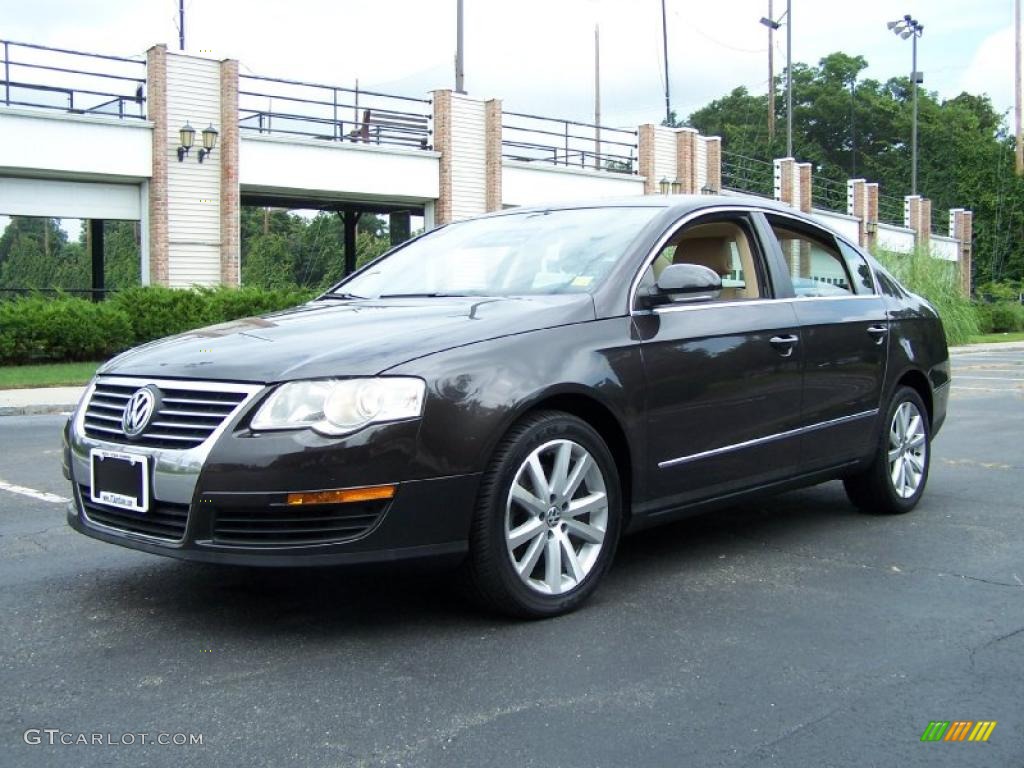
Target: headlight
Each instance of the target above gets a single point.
(341, 406)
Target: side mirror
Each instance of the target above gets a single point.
(693, 282)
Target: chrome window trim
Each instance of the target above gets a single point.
(744, 303)
(766, 439)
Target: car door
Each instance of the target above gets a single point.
(723, 375)
(844, 334)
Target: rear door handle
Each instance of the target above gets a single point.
(784, 344)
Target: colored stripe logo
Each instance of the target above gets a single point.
(958, 730)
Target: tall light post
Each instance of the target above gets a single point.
(460, 75)
(664, 46)
(908, 27)
(773, 26)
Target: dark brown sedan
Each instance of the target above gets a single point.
(513, 393)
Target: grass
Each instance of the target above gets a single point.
(46, 375)
(939, 282)
(990, 338)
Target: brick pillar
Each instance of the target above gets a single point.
(913, 207)
(785, 180)
(645, 150)
(713, 145)
(492, 149)
(156, 111)
(871, 221)
(962, 228)
(924, 233)
(443, 145)
(804, 180)
(856, 205)
(230, 194)
(686, 160)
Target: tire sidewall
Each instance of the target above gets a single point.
(552, 427)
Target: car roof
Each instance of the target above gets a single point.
(676, 203)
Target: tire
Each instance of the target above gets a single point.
(905, 439)
(519, 562)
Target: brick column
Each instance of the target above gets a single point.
(713, 146)
(156, 111)
(443, 145)
(230, 195)
(871, 221)
(492, 137)
(913, 218)
(962, 228)
(785, 176)
(924, 234)
(645, 150)
(686, 160)
(805, 180)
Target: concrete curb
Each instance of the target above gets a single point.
(972, 349)
(38, 409)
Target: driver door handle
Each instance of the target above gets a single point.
(784, 344)
(878, 332)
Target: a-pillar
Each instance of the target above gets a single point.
(961, 227)
(467, 135)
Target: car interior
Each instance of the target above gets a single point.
(723, 247)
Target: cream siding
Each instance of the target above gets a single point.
(193, 188)
(468, 158)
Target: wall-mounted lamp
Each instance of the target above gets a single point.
(665, 186)
(677, 187)
(707, 189)
(871, 227)
(209, 142)
(186, 137)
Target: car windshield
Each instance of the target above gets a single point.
(560, 251)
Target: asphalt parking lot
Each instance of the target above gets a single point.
(791, 632)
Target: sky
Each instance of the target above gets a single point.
(537, 55)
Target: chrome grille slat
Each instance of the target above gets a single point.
(185, 417)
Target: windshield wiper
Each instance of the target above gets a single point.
(431, 295)
(342, 296)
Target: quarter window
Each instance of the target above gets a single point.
(816, 267)
(863, 283)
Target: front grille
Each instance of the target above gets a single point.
(164, 520)
(184, 418)
(283, 525)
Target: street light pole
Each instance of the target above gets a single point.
(912, 28)
(664, 44)
(460, 75)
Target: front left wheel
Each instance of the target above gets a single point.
(547, 520)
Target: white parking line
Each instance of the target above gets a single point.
(52, 498)
(991, 378)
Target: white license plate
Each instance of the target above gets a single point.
(119, 479)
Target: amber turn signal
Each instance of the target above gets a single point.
(343, 496)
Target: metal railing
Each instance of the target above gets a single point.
(332, 113)
(72, 81)
(748, 175)
(536, 139)
(829, 195)
(890, 210)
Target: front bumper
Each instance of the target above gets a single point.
(426, 519)
(224, 501)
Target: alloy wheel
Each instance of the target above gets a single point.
(908, 449)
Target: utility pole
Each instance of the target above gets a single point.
(181, 25)
(789, 78)
(771, 75)
(460, 75)
(1017, 86)
(664, 44)
(597, 96)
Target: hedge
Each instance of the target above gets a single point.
(1001, 317)
(66, 328)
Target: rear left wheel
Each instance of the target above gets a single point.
(548, 518)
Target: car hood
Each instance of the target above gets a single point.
(344, 338)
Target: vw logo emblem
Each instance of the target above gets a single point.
(138, 412)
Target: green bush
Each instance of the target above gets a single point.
(1005, 317)
(939, 282)
(65, 328)
(38, 328)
